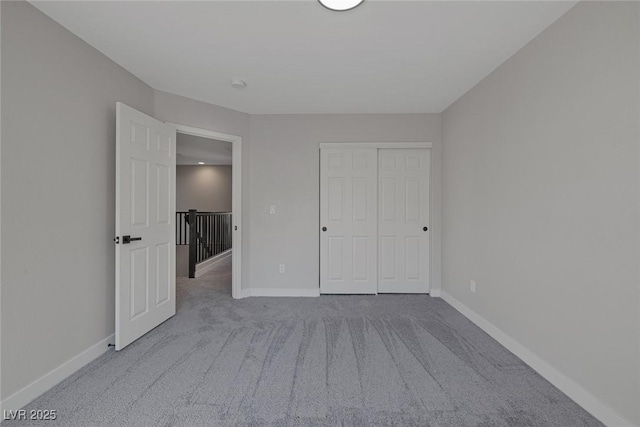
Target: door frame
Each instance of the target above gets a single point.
(236, 197)
(378, 145)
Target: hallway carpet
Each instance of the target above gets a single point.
(334, 360)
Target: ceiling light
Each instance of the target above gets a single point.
(201, 163)
(239, 84)
(340, 5)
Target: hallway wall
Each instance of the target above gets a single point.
(206, 188)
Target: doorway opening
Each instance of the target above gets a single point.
(208, 197)
(203, 204)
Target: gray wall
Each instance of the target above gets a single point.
(284, 171)
(541, 197)
(58, 133)
(205, 188)
(280, 162)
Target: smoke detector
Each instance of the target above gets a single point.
(238, 84)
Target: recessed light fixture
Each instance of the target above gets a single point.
(341, 5)
(238, 84)
(201, 163)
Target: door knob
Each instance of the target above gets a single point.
(324, 228)
(129, 239)
(425, 228)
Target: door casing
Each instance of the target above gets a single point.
(236, 196)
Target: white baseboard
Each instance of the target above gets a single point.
(581, 396)
(436, 293)
(245, 293)
(24, 396)
(282, 292)
(207, 265)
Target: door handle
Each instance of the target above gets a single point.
(324, 228)
(129, 239)
(425, 228)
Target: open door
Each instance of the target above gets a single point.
(145, 228)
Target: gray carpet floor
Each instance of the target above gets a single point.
(333, 360)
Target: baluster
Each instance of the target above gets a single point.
(193, 254)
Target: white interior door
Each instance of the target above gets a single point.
(403, 248)
(348, 221)
(145, 229)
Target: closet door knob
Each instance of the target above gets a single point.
(324, 228)
(425, 228)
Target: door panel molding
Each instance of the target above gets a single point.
(408, 195)
(145, 197)
(348, 221)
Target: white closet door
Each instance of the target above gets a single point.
(403, 248)
(348, 221)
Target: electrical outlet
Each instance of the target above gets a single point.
(472, 286)
(281, 268)
(272, 210)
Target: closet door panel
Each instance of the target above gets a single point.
(348, 221)
(403, 249)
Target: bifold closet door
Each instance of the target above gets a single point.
(348, 221)
(403, 220)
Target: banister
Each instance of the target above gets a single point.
(206, 233)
